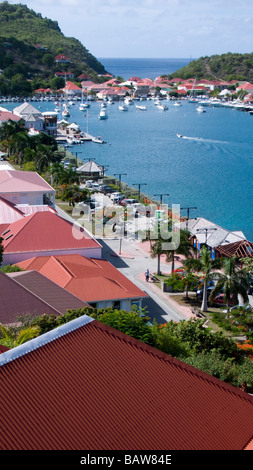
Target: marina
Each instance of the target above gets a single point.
(209, 167)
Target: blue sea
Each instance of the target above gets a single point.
(211, 168)
(142, 68)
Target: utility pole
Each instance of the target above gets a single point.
(161, 197)
(188, 213)
(119, 175)
(206, 230)
(139, 187)
(76, 153)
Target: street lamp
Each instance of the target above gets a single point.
(76, 153)
(161, 197)
(139, 187)
(119, 175)
(206, 230)
(188, 213)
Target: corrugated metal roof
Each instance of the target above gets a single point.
(95, 388)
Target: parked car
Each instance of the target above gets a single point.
(219, 300)
(128, 202)
(104, 188)
(89, 183)
(200, 292)
(117, 197)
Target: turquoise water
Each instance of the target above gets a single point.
(143, 68)
(211, 168)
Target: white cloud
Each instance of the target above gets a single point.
(170, 28)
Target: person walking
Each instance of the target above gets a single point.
(147, 275)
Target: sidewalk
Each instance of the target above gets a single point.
(132, 258)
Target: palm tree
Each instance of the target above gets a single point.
(185, 248)
(157, 250)
(63, 175)
(44, 156)
(11, 341)
(232, 282)
(10, 128)
(18, 143)
(205, 265)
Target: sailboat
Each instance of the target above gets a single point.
(65, 111)
(192, 98)
(83, 105)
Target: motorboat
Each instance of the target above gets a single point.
(180, 136)
(200, 109)
(141, 108)
(128, 101)
(98, 140)
(103, 114)
(163, 107)
(177, 103)
(123, 108)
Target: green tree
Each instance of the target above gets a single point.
(44, 156)
(10, 128)
(10, 339)
(205, 265)
(232, 282)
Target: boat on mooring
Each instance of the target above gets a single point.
(103, 114)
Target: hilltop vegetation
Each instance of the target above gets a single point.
(219, 67)
(22, 31)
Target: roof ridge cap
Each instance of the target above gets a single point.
(41, 340)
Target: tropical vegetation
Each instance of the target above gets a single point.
(232, 282)
(187, 341)
(228, 67)
(29, 44)
(206, 265)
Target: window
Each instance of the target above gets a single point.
(116, 304)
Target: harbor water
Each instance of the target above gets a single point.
(210, 168)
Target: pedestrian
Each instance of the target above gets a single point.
(147, 275)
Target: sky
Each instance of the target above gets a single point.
(153, 28)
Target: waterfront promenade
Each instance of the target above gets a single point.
(132, 258)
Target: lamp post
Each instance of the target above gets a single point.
(161, 197)
(119, 175)
(76, 153)
(139, 188)
(188, 214)
(206, 230)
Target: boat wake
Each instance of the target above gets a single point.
(209, 141)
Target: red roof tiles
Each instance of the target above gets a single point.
(89, 279)
(87, 386)
(45, 231)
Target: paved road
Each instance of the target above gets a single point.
(128, 257)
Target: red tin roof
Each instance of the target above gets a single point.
(87, 386)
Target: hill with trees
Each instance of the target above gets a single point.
(219, 67)
(29, 44)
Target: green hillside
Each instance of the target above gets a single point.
(219, 67)
(21, 29)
